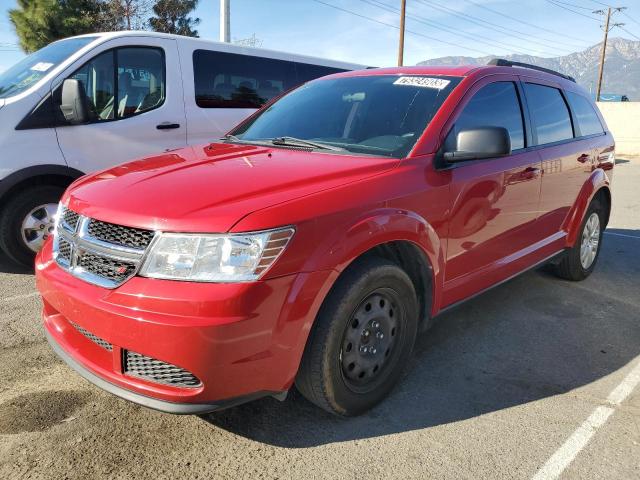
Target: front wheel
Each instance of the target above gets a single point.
(27, 220)
(362, 339)
(580, 260)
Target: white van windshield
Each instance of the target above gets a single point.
(30, 70)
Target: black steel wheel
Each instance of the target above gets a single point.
(362, 339)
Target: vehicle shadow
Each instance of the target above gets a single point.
(534, 337)
(7, 266)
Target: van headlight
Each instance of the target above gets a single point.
(215, 257)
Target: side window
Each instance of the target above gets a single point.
(123, 82)
(494, 105)
(549, 112)
(97, 77)
(585, 115)
(228, 80)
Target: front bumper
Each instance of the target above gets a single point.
(242, 341)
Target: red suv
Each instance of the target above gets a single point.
(312, 243)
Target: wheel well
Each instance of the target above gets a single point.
(604, 197)
(415, 263)
(57, 180)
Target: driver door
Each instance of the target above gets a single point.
(135, 101)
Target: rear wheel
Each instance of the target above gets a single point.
(27, 220)
(580, 260)
(362, 339)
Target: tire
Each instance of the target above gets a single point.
(572, 267)
(12, 241)
(331, 371)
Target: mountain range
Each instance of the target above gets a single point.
(621, 69)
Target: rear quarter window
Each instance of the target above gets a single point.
(585, 115)
(549, 113)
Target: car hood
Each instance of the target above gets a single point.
(210, 188)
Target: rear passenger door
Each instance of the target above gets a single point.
(495, 201)
(567, 158)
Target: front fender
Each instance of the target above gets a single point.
(597, 181)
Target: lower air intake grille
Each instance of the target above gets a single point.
(64, 250)
(152, 370)
(94, 338)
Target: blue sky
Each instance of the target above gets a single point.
(471, 27)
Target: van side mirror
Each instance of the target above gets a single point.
(74, 103)
(478, 143)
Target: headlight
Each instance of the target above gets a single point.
(215, 257)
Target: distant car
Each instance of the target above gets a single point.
(313, 243)
(135, 94)
(612, 97)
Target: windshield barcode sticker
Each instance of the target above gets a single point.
(42, 66)
(424, 82)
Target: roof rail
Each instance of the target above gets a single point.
(501, 62)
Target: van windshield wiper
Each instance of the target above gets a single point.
(298, 142)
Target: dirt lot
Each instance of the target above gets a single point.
(495, 391)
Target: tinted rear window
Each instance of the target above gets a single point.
(229, 80)
(586, 117)
(549, 112)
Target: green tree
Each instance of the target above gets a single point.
(40, 22)
(172, 16)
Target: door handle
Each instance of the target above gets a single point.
(531, 172)
(584, 158)
(167, 126)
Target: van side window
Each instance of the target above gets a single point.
(586, 117)
(123, 82)
(229, 80)
(494, 105)
(549, 113)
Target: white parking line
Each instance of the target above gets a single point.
(563, 457)
(622, 235)
(18, 297)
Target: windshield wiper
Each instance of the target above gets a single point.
(298, 142)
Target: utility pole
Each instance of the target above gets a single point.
(225, 21)
(607, 27)
(403, 7)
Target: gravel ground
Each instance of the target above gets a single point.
(496, 387)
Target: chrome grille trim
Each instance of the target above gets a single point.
(141, 366)
(94, 260)
(94, 338)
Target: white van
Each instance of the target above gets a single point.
(93, 101)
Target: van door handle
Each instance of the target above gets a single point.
(167, 126)
(584, 158)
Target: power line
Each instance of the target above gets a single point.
(573, 5)
(537, 27)
(445, 28)
(625, 30)
(624, 13)
(502, 29)
(398, 28)
(574, 11)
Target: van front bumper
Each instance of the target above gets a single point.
(238, 341)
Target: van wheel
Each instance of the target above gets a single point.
(580, 260)
(362, 338)
(27, 220)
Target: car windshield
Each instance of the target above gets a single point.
(31, 69)
(375, 114)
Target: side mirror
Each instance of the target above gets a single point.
(74, 104)
(478, 143)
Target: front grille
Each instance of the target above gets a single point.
(120, 235)
(64, 250)
(109, 268)
(147, 368)
(70, 219)
(99, 252)
(94, 338)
